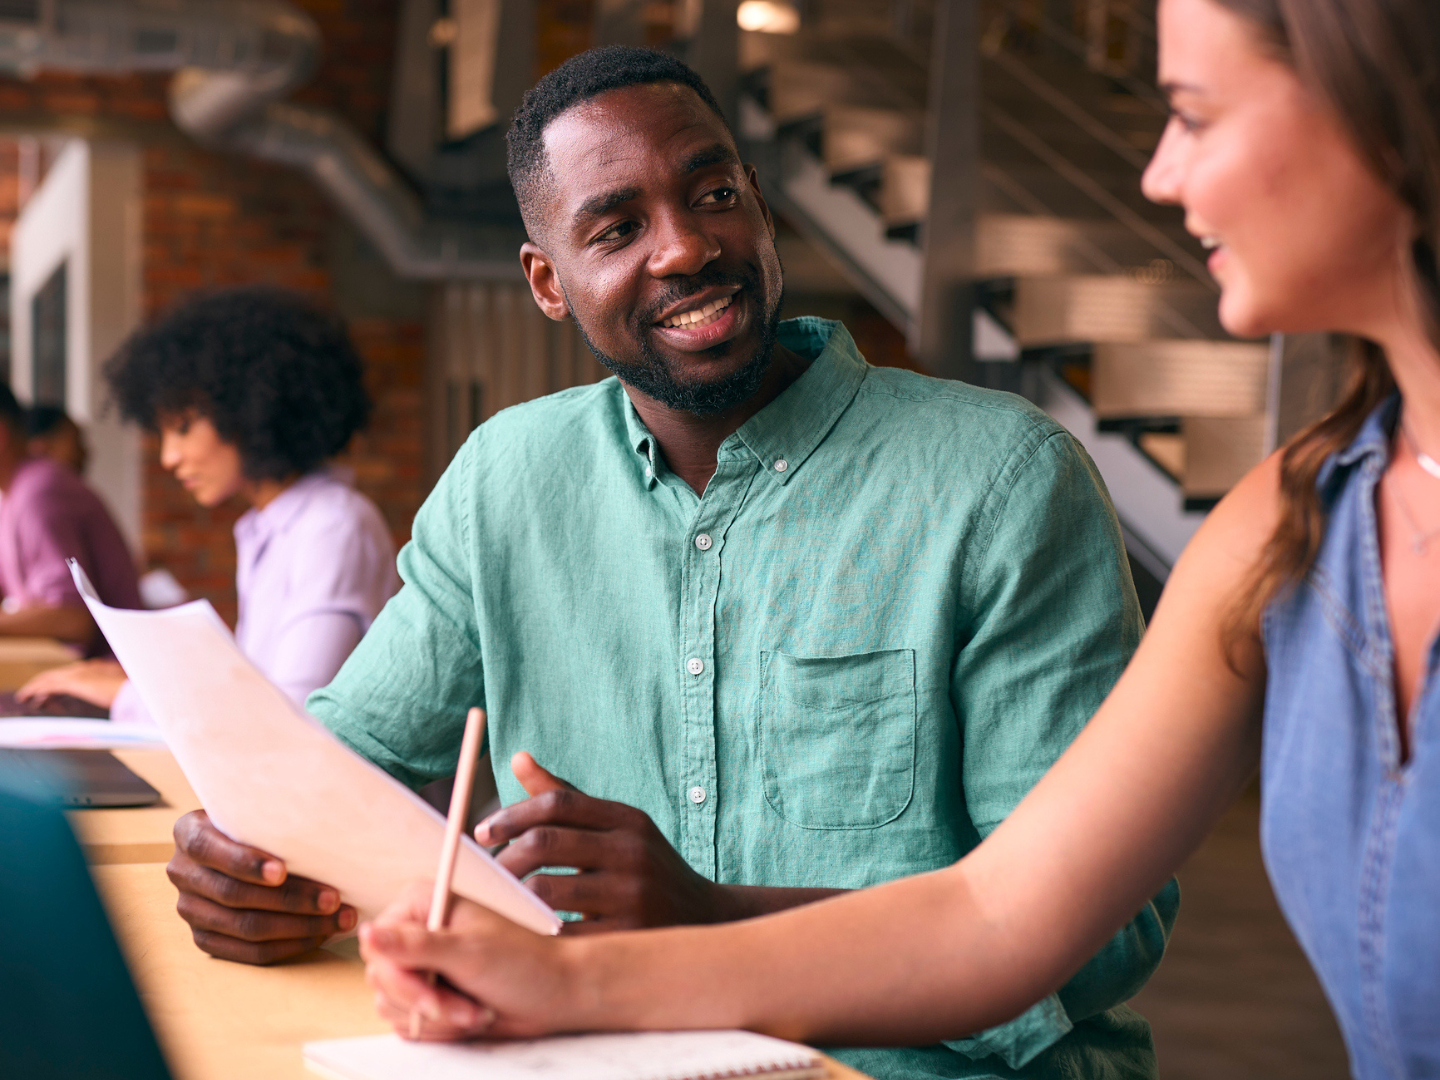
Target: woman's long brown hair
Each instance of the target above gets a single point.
(1377, 64)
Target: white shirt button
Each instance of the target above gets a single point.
(694, 665)
(703, 541)
(781, 465)
(697, 795)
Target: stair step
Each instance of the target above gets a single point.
(855, 137)
(1111, 308)
(1167, 450)
(1179, 378)
(904, 193)
(1014, 245)
(1219, 451)
(802, 89)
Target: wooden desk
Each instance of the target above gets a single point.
(22, 658)
(141, 834)
(222, 1021)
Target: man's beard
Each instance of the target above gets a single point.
(654, 377)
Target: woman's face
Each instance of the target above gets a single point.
(206, 464)
(1304, 236)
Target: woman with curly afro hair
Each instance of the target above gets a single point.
(252, 392)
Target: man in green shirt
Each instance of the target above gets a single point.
(789, 623)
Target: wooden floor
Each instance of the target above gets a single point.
(1235, 998)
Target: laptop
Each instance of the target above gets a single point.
(54, 705)
(68, 1010)
(78, 778)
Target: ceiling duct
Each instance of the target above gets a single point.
(234, 62)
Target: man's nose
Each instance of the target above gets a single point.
(682, 247)
(1161, 180)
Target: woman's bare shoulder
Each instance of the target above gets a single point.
(1235, 533)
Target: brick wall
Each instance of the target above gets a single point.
(213, 220)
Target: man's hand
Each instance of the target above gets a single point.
(95, 681)
(522, 978)
(629, 875)
(241, 904)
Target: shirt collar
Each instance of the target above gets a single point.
(787, 431)
(1373, 438)
(262, 524)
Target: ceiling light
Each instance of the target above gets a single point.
(768, 17)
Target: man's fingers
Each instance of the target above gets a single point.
(555, 845)
(560, 806)
(535, 779)
(254, 926)
(253, 952)
(208, 846)
(297, 896)
(595, 895)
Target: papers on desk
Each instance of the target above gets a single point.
(274, 778)
(71, 733)
(655, 1055)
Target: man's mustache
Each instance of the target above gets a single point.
(680, 291)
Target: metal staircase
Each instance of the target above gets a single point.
(1086, 298)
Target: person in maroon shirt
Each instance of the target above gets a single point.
(48, 515)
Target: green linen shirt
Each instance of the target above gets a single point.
(897, 602)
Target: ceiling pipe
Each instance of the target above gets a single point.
(235, 61)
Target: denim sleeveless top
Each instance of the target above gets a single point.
(1351, 837)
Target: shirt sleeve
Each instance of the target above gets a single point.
(1053, 621)
(400, 699)
(335, 590)
(47, 536)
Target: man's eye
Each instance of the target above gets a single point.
(718, 195)
(616, 232)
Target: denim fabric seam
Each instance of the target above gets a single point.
(1347, 628)
(1379, 841)
(1377, 616)
(1379, 849)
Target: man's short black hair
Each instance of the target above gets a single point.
(582, 77)
(277, 377)
(43, 419)
(12, 415)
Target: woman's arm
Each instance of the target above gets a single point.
(938, 955)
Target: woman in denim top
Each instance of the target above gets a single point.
(1304, 145)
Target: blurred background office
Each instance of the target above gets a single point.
(957, 179)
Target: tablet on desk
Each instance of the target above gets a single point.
(81, 778)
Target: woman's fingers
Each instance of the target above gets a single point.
(403, 992)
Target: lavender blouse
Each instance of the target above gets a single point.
(313, 569)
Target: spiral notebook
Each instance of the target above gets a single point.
(653, 1055)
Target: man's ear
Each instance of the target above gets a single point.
(753, 178)
(544, 282)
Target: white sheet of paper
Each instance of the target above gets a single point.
(74, 733)
(651, 1055)
(274, 778)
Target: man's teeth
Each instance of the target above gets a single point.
(704, 316)
(1209, 242)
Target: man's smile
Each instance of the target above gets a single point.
(704, 319)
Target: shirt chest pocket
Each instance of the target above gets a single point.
(837, 737)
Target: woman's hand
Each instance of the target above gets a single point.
(503, 981)
(95, 681)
